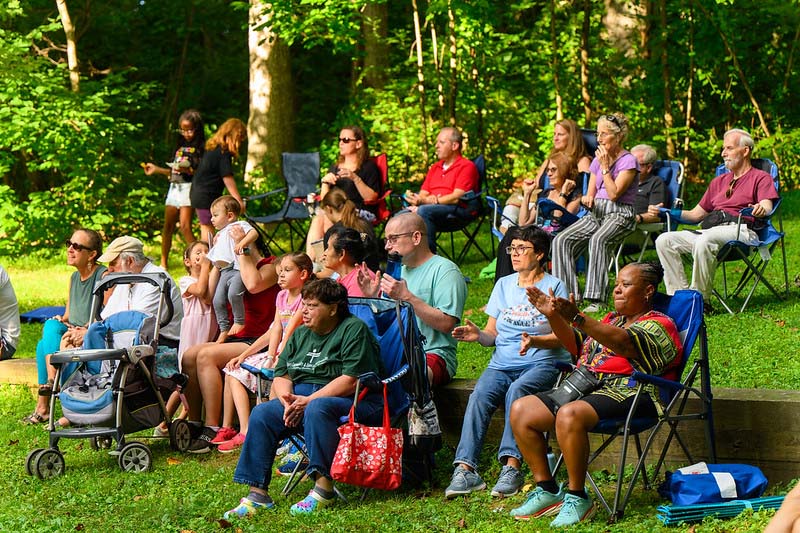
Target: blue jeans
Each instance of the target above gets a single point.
(495, 388)
(435, 216)
(50, 342)
(321, 419)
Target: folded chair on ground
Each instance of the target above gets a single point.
(686, 309)
(301, 175)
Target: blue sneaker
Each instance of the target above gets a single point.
(574, 509)
(539, 503)
(509, 482)
(463, 482)
(246, 508)
(310, 504)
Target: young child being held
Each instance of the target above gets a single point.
(294, 269)
(198, 324)
(227, 279)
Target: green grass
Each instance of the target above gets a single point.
(756, 349)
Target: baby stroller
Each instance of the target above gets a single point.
(109, 388)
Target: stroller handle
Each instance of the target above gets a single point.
(158, 279)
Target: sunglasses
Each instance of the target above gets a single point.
(348, 140)
(613, 119)
(81, 248)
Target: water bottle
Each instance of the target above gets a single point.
(311, 201)
(393, 264)
(551, 461)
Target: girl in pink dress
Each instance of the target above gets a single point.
(294, 269)
(198, 324)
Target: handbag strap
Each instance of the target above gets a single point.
(361, 396)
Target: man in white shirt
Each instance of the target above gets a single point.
(9, 317)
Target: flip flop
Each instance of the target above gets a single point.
(35, 419)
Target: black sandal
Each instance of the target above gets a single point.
(35, 419)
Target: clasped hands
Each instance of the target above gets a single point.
(293, 408)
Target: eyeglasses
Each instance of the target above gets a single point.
(69, 244)
(511, 250)
(729, 192)
(348, 140)
(601, 134)
(185, 132)
(551, 170)
(392, 239)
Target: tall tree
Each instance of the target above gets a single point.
(72, 46)
(270, 128)
(374, 27)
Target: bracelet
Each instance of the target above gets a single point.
(562, 195)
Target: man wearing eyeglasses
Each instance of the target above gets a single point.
(432, 284)
(717, 213)
(447, 181)
(9, 317)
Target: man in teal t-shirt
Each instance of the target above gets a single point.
(433, 285)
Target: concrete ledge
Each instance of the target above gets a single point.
(754, 426)
(19, 372)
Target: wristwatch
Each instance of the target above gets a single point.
(605, 171)
(578, 319)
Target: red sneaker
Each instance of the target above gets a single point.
(224, 435)
(233, 444)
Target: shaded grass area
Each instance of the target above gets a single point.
(190, 493)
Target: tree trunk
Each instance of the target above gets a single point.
(72, 48)
(270, 128)
(587, 109)
(665, 76)
(689, 94)
(374, 27)
(437, 64)
(554, 62)
(420, 82)
(176, 83)
(453, 71)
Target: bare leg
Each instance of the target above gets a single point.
(228, 403)
(210, 362)
(192, 389)
(185, 223)
(170, 218)
(573, 423)
(530, 419)
(206, 233)
(241, 400)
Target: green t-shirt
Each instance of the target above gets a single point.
(350, 349)
(440, 283)
(80, 296)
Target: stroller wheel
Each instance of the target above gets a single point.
(135, 457)
(48, 464)
(180, 435)
(30, 461)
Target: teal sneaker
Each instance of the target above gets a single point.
(539, 503)
(246, 508)
(463, 482)
(575, 509)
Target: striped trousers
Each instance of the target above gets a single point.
(597, 231)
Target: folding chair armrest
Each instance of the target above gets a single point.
(672, 217)
(265, 373)
(372, 381)
(264, 194)
(658, 381)
(400, 198)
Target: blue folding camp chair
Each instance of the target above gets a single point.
(301, 174)
(686, 309)
(671, 173)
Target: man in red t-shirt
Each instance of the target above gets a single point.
(727, 194)
(446, 182)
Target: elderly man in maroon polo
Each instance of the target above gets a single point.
(717, 212)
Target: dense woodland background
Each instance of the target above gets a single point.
(90, 88)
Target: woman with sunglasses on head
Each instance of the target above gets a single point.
(609, 199)
(355, 174)
(61, 332)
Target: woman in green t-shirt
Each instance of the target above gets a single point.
(315, 379)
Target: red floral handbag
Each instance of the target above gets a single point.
(369, 456)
